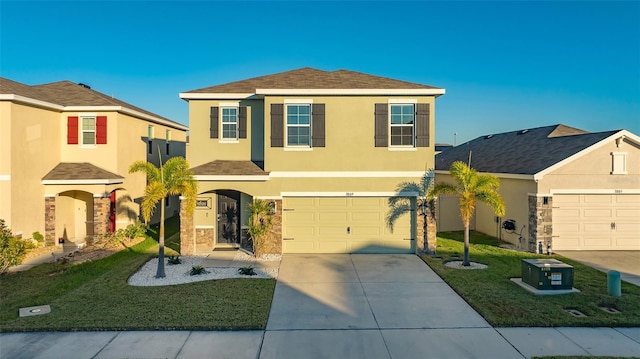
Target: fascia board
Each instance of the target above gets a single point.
(380, 92)
(83, 181)
(215, 96)
(345, 174)
(127, 111)
(31, 101)
(231, 178)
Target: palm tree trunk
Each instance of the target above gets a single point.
(160, 271)
(465, 260)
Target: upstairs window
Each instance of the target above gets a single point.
(299, 125)
(402, 125)
(168, 140)
(150, 134)
(229, 123)
(88, 130)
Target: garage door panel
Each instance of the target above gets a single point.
(343, 225)
(596, 222)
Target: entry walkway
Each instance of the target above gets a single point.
(343, 306)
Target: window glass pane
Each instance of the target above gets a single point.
(396, 110)
(88, 124)
(396, 119)
(229, 131)
(292, 110)
(292, 119)
(88, 138)
(304, 110)
(304, 119)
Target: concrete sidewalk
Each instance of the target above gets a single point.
(343, 306)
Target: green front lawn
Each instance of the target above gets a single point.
(504, 304)
(95, 296)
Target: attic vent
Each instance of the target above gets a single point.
(85, 86)
(488, 137)
(523, 132)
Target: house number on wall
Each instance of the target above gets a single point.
(349, 194)
(617, 191)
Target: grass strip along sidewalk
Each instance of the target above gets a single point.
(504, 304)
(95, 296)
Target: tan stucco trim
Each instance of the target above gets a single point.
(84, 181)
(620, 134)
(215, 96)
(345, 174)
(238, 178)
(595, 191)
(5, 177)
(30, 101)
(349, 194)
(366, 92)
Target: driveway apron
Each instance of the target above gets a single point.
(372, 306)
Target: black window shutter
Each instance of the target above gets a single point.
(317, 125)
(381, 125)
(277, 125)
(213, 124)
(422, 125)
(242, 122)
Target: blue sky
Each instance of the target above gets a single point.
(506, 65)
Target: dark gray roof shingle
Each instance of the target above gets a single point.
(79, 171)
(524, 152)
(309, 78)
(229, 168)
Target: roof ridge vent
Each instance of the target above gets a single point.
(488, 137)
(84, 85)
(523, 132)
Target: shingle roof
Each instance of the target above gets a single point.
(229, 168)
(521, 152)
(309, 78)
(67, 93)
(74, 171)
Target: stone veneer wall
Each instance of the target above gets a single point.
(50, 221)
(540, 223)
(101, 216)
(431, 231)
(187, 232)
(273, 244)
(205, 238)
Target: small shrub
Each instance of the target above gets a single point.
(12, 249)
(174, 260)
(38, 237)
(197, 270)
(136, 230)
(247, 270)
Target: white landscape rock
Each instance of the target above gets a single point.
(179, 273)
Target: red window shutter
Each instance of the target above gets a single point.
(72, 130)
(101, 130)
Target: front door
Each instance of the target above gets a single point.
(228, 218)
(112, 212)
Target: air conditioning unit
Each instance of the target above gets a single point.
(547, 274)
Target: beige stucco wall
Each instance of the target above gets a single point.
(204, 149)
(5, 162)
(349, 128)
(514, 193)
(34, 152)
(593, 170)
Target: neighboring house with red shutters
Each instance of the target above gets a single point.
(65, 151)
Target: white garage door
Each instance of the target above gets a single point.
(596, 222)
(342, 225)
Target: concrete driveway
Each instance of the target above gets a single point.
(372, 306)
(625, 262)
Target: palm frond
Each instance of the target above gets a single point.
(153, 193)
(151, 171)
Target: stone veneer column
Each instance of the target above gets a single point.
(431, 231)
(101, 216)
(187, 231)
(540, 222)
(50, 220)
(273, 244)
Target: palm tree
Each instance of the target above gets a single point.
(260, 223)
(470, 188)
(172, 178)
(401, 205)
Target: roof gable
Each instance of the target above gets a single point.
(309, 78)
(523, 152)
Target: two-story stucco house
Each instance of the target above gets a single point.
(65, 151)
(328, 148)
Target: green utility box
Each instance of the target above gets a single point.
(547, 274)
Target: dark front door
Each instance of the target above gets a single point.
(112, 212)
(228, 217)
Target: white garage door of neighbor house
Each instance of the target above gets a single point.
(596, 222)
(342, 225)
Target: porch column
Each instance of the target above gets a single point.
(187, 231)
(540, 222)
(50, 220)
(100, 216)
(273, 244)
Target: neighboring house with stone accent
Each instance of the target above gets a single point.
(65, 151)
(327, 148)
(563, 187)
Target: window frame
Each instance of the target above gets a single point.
(402, 125)
(618, 163)
(222, 115)
(81, 128)
(309, 105)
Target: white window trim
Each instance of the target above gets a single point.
(221, 130)
(81, 118)
(618, 171)
(297, 102)
(302, 101)
(413, 127)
